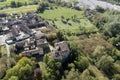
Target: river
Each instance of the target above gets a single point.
(93, 3)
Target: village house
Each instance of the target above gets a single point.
(36, 45)
(40, 39)
(31, 50)
(62, 51)
(35, 42)
(15, 31)
(3, 15)
(25, 29)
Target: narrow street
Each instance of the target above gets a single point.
(8, 50)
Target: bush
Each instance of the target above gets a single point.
(51, 37)
(100, 9)
(42, 7)
(13, 4)
(64, 21)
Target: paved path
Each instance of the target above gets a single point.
(2, 39)
(51, 48)
(8, 50)
(93, 3)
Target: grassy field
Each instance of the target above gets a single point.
(71, 26)
(61, 11)
(21, 9)
(3, 50)
(7, 2)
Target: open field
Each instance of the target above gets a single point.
(20, 9)
(76, 20)
(61, 11)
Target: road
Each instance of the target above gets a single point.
(93, 3)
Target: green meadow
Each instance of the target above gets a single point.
(20, 9)
(61, 11)
(7, 2)
(54, 17)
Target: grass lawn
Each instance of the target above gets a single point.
(74, 26)
(3, 50)
(61, 11)
(20, 9)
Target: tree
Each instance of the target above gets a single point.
(51, 37)
(106, 64)
(37, 74)
(23, 70)
(5, 63)
(114, 28)
(116, 77)
(19, 4)
(14, 78)
(72, 75)
(87, 75)
(3, 69)
(13, 4)
(100, 9)
(52, 69)
(81, 63)
(42, 7)
(60, 35)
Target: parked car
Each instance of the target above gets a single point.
(9, 41)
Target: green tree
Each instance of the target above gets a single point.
(19, 4)
(5, 63)
(60, 35)
(106, 64)
(14, 78)
(23, 70)
(42, 7)
(72, 75)
(114, 28)
(13, 4)
(81, 63)
(52, 69)
(100, 9)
